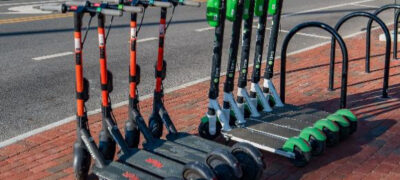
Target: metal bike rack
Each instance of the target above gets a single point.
(368, 48)
(387, 53)
(343, 47)
(396, 31)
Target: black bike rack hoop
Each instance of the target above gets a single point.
(343, 95)
(372, 17)
(376, 13)
(396, 31)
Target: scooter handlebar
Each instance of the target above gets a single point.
(115, 1)
(76, 3)
(58, 8)
(133, 9)
(191, 3)
(111, 12)
(162, 4)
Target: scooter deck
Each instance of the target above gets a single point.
(293, 111)
(175, 151)
(259, 139)
(116, 170)
(261, 124)
(196, 142)
(153, 163)
(290, 121)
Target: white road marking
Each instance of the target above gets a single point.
(25, 3)
(363, 5)
(123, 103)
(52, 56)
(27, 9)
(204, 29)
(147, 39)
(302, 34)
(325, 8)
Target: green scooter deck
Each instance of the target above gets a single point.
(153, 163)
(116, 170)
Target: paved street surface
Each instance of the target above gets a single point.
(372, 152)
(37, 68)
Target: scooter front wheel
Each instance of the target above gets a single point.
(156, 125)
(82, 160)
(204, 130)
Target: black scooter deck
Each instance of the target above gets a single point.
(153, 163)
(261, 124)
(293, 111)
(195, 142)
(286, 120)
(116, 170)
(304, 115)
(175, 151)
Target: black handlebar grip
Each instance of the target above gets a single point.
(162, 4)
(111, 12)
(191, 3)
(133, 9)
(58, 8)
(76, 3)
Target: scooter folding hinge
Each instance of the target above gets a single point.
(250, 104)
(228, 97)
(221, 116)
(263, 99)
(268, 84)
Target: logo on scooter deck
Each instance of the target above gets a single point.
(154, 162)
(130, 176)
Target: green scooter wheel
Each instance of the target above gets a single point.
(349, 116)
(343, 123)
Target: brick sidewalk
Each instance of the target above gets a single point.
(373, 152)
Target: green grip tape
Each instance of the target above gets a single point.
(246, 9)
(231, 9)
(212, 14)
(258, 7)
(272, 7)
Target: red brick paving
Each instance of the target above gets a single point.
(373, 152)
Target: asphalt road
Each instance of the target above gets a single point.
(37, 89)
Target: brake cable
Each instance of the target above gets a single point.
(87, 30)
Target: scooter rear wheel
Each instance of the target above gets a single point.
(224, 165)
(332, 138)
(318, 147)
(301, 158)
(250, 159)
(197, 171)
